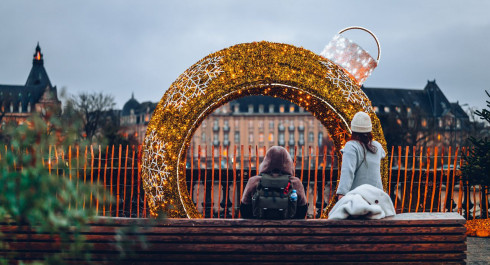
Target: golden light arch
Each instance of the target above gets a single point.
(259, 68)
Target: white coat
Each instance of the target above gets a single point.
(365, 201)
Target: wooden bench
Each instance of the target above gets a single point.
(411, 238)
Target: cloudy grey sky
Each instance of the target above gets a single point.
(120, 47)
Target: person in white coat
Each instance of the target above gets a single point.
(361, 157)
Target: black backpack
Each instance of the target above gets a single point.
(272, 199)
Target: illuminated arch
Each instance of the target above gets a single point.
(259, 68)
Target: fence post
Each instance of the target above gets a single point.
(398, 177)
(125, 177)
(420, 178)
(405, 181)
(412, 179)
(234, 183)
(132, 185)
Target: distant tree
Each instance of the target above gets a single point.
(476, 169)
(93, 109)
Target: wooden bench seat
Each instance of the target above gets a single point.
(411, 238)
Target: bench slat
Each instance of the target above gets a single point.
(434, 238)
(254, 239)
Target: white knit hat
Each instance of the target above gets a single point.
(361, 123)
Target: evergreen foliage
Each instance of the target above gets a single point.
(477, 164)
(476, 170)
(32, 194)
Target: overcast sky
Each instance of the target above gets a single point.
(119, 47)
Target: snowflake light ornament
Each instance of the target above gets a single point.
(194, 81)
(154, 165)
(350, 90)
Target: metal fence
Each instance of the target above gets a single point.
(420, 179)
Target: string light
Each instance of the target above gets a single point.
(258, 68)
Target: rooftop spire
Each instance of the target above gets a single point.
(38, 56)
(38, 75)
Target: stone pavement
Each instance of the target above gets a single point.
(478, 250)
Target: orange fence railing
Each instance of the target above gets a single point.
(420, 179)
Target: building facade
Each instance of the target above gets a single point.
(135, 117)
(260, 121)
(37, 95)
(419, 117)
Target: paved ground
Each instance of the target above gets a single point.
(478, 250)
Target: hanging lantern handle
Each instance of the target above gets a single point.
(368, 31)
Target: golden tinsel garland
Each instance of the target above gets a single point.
(478, 227)
(259, 68)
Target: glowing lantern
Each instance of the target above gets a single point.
(354, 59)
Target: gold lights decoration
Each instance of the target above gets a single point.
(259, 68)
(478, 227)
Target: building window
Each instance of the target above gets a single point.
(215, 137)
(236, 108)
(20, 107)
(271, 108)
(215, 123)
(237, 124)
(458, 124)
(261, 137)
(411, 123)
(281, 138)
(203, 138)
(271, 125)
(399, 122)
(261, 108)
(387, 109)
(376, 109)
(311, 137)
(203, 153)
(291, 137)
(261, 152)
(310, 123)
(250, 108)
(281, 109)
(226, 123)
(261, 125)
(301, 137)
(409, 110)
(438, 137)
(397, 109)
(204, 123)
(424, 123)
(320, 139)
(271, 137)
(449, 122)
(237, 137)
(291, 108)
(250, 138)
(439, 121)
(226, 138)
(28, 107)
(250, 125)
